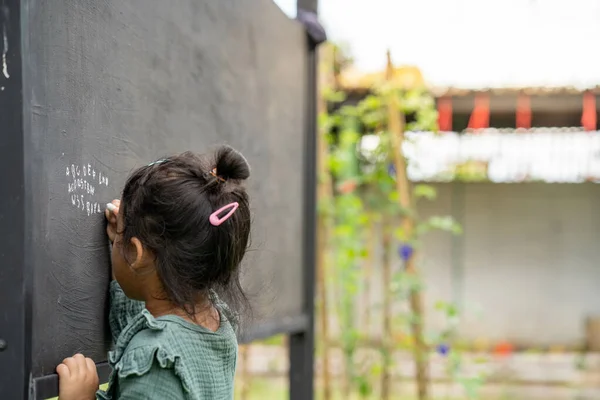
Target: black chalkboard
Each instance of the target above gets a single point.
(112, 85)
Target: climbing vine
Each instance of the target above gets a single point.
(372, 209)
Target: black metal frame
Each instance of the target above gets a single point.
(46, 387)
(15, 268)
(302, 344)
(290, 326)
(15, 345)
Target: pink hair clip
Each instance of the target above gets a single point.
(214, 217)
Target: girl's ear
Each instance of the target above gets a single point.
(137, 247)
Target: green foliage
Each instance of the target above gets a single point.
(372, 112)
(365, 190)
(450, 310)
(277, 340)
(426, 121)
(472, 385)
(342, 56)
(446, 224)
(471, 171)
(425, 191)
(455, 356)
(365, 388)
(403, 284)
(333, 96)
(327, 123)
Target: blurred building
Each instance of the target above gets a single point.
(518, 169)
(529, 253)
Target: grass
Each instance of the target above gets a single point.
(260, 389)
(277, 389)
(103, 387)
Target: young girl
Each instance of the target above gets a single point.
(179, 234)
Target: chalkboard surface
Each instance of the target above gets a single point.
(112, 85)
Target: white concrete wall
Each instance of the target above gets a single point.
(529, 258)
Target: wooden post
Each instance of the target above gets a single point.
(244, 373)
(396, 131)
(387, 314)
(302, 343)
(368, 270)
(324, 196)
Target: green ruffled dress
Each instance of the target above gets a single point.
(167, 358)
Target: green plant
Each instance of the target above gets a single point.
(349, 217)
(370, 189)
(447, 344)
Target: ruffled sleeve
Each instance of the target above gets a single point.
(140, 361)
(122, 310)
(155, 383)
(167, 357)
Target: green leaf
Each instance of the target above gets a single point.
(440, 305)
(349, 111)
(425, 191)
(335, 165)
(451, 310)
(335, 96)
(400, 234)
(324, 121)
(376, 370)
(446, 224)
(363, 219)
(373, 118)
(370, 103)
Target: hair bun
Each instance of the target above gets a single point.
(231, 164)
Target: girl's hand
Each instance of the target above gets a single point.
(111, 216)
(77, 378)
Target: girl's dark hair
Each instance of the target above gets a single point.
(167, 205)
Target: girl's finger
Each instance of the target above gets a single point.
(63, 371)
(80, 361)
(81, 364)
(71, 363)
(115, 203)
(91, 365)
(111, 213)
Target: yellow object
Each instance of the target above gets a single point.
(557, 349)
(102, 387)
(481, 345)
(406, 77)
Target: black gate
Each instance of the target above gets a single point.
(88, 91)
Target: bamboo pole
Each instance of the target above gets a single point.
(396, 131)
(368, 271)
(387, 315)
(245, 372)
(325, 196)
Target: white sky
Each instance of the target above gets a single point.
(472, 43)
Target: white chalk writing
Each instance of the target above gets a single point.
(82, 186)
